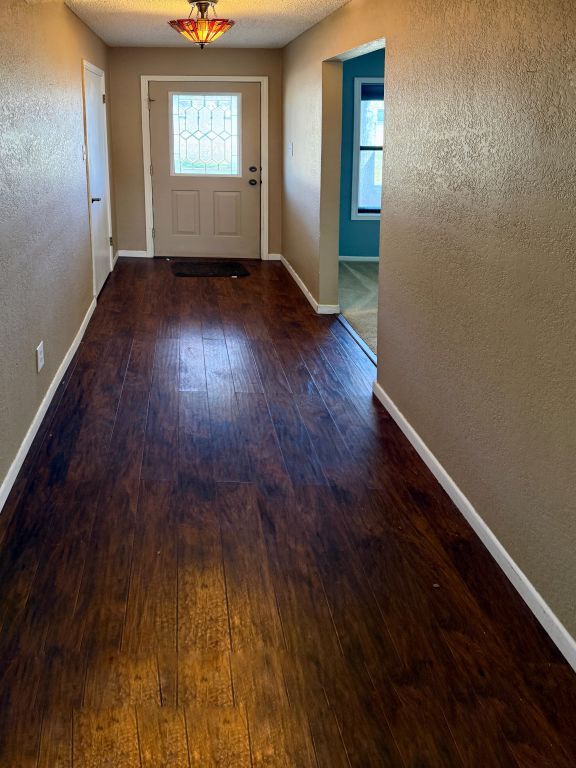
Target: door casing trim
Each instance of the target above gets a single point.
(145, 80)
(87, 65)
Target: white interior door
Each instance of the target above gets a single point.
(206, 174)
(98, 182)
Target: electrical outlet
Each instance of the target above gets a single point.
(40, 356)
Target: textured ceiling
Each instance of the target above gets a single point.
(259, 23)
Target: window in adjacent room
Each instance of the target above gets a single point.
(368, 147)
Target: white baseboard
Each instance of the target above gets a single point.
(328, 309)
(558, 633)
(16, 465)
(134, 255)
(115, 259)
(359, 258)
(321, 309)
(274, 257)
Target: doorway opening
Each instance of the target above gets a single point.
(361, 192)
(353, 99)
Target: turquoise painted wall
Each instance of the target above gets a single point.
(357, 238)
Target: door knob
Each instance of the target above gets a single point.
(252, 169)
(96, 199)
(252, 182)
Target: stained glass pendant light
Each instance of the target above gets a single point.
(202, 29)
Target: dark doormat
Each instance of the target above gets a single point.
(208, 269)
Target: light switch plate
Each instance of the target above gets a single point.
(40, 356)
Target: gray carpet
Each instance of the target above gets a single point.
(359, 298)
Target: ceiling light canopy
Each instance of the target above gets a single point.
(202, 29)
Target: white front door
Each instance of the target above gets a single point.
(205, 153)
(98, 187)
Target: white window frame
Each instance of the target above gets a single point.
(358, 83)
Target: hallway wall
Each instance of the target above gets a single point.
(45, 257)
(477, 318)
(126, 67)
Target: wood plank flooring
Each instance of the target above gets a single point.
(221, 551)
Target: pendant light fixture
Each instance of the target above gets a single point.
(202, 29)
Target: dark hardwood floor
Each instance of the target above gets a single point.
(221, 551)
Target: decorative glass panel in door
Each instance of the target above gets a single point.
(205, 138)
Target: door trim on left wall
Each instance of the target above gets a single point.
(100, 72)
(264, 204)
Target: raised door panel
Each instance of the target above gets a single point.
(227, 214)
(186, 212)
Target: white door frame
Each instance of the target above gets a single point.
(100, 72)
(145, 80)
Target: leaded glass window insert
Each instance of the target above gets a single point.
(205, 139)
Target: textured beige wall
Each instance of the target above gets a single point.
(45, 259)
(126, 67)
(477, 322)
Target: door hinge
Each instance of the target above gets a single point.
(150, 102)
(151, 170)
(153, 232)
(103, 98)
(111, 241)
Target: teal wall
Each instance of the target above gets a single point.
(357, 238)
